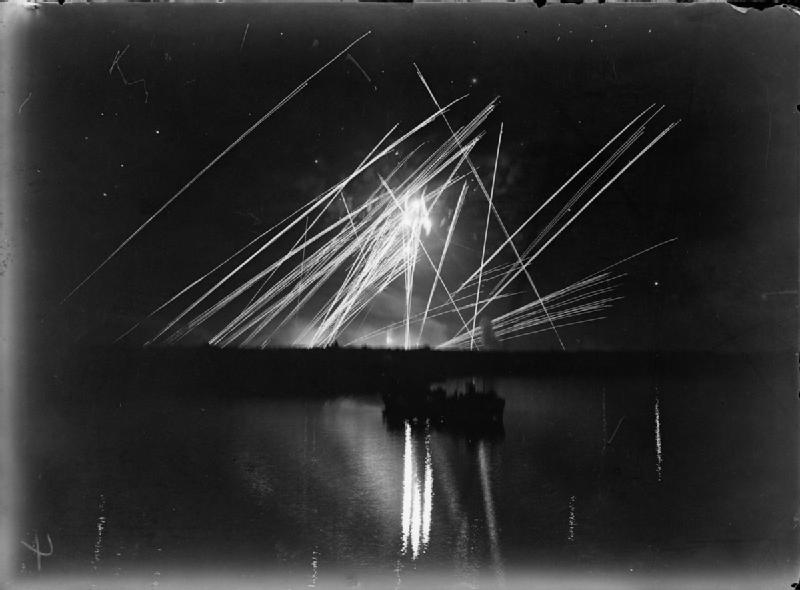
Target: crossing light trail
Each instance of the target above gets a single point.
(321, 200)
(493, 209)
(208, 166)
(587, 297)
(558, 191)
(444, 309)
(447, 156)
(485, 234)
(531, 253)
(587, 204)
(330, 267)
(567, 207)
(450, 229)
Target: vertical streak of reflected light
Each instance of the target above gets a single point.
(101, 523)
(408, 475)
(314, 568)
(658, 440)
(417, 496)
(416, 521)
(571, 529)
(427, 497)
(491, 521)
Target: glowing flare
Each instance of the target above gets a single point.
(416, 216)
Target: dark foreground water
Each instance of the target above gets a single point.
(641, 481)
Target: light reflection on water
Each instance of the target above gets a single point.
(314, 569)
(417, 498)
(408, 482)
(312, 485)
(659, 459)
(571, 527)
(373, 479)
(436, 489)
(488, 505)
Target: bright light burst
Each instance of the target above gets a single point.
(416, 216)
(336, 269)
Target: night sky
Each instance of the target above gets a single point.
(96, 157)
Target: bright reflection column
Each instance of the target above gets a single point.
(417, 496)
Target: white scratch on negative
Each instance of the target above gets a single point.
(37, 550)
(24, 102)
(115, 65)
(244, 36)
(614, 434)
(358, 65)
(216, 159)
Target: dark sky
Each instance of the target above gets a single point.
(95, 158)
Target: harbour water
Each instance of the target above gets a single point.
(647, 477)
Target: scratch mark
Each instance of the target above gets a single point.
(358, 65)
(778, 293)
(24, 102)
(256, 220)
(244, 36)
(613, 434)
(216, 159)
(37, 551)
(117, 56)
(115, 65)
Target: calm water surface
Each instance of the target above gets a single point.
(652, 475)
